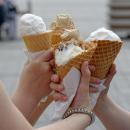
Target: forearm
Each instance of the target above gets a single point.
(112, 116)
(24, 103)
(74, 122)
(36, 113)
(10, 117)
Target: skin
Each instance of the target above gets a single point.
(16, 121)
(34, 83)
(112, 115)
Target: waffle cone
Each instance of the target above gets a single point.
(77, 61)
(104, 56)
(39, 42)
(55, 39)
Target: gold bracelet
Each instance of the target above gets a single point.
(84, 110)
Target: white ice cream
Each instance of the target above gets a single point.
(103, 34)
(66, 53)
(31, 24)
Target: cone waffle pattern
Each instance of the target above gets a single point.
(104, 56)
(77, 61)
(39, 42)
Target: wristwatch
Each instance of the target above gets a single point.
(84, 110)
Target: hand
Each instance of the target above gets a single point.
(36, 77)
(82, 98)
(58, 88)
(109, 77)
(103, 95)
(82, 90)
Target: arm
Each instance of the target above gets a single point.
(112, 115)
(34, 85)
(10, 117)
(81, 100)
(74, 122)
(16, 121)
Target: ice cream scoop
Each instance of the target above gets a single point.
(63, 29)
(71, 54)
(31, 24)
(66, 52)
(63, 21)
(103, 34)
(33, 32)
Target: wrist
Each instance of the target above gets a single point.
(85, 117)
(24, 102)
(85, 112)
(81, 101)
(101, 105)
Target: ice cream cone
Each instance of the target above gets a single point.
(56, 37)
(38, 42)
(77, 61)
(62, 22)
(104, 56)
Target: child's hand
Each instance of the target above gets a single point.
(34, 80)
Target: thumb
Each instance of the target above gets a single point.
(85, 78)
(46, 56)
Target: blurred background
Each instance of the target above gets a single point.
(88, 15)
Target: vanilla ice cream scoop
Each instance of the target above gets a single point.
(63, 21)
(31, 24)
(103, 34)
(66, 52)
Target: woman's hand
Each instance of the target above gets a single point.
(34, 81)
(103, 95)
(82, 90)
(58, 88)
(109, 77)
(82, 98)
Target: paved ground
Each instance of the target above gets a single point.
(89, 15)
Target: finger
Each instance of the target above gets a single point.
(46, 56)
(92, 68)
(85, 73)
(95, 80)
(112, 70)
(56, 87)
(110, 75)
(59, 97)
(55, 78)
(46, 67)
(52, 63)
(108, 80)
(93, 89)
